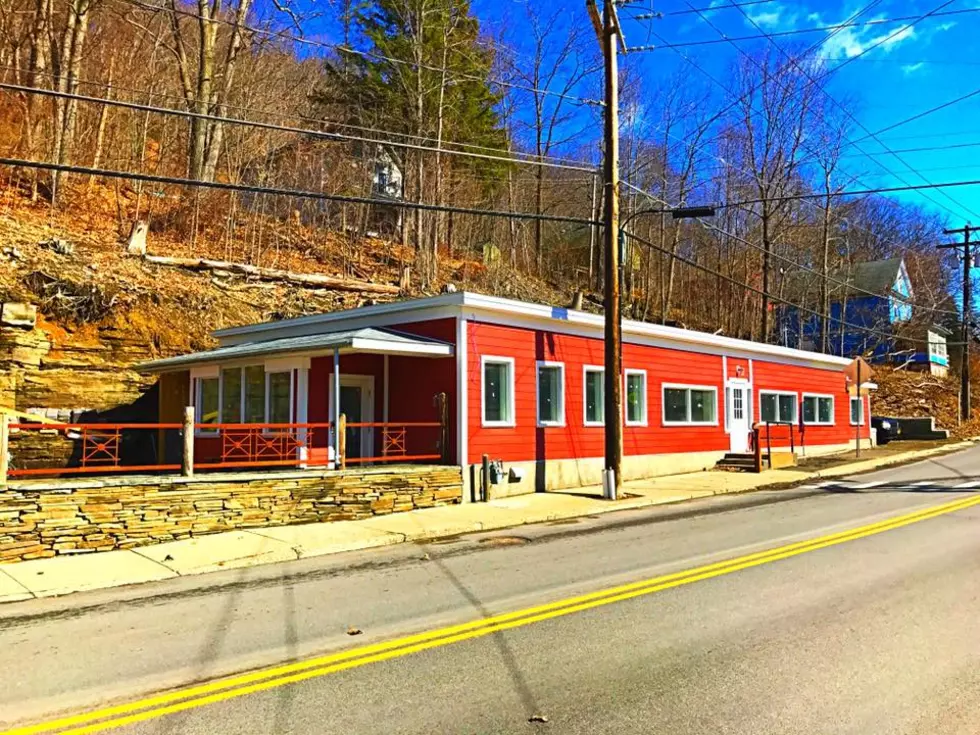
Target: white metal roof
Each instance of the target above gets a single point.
(552, 318)
(380, 341)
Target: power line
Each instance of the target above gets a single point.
(716, 7)
(794, 263)
(774, 297)
(299, 193)
(793, 32)
(935, 13)
(337, 137)
(739, 99)
(924, 149)
(816, 81)
(920, 115)
(856, 192)
(303, 118)
(282, 35)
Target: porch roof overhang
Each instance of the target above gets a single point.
(367, 340)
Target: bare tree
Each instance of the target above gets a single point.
(561, 58)
(773, 111)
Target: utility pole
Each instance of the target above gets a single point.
(610, 36)
(967, 308)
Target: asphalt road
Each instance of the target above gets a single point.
(871, 635)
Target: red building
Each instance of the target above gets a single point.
(523, 384)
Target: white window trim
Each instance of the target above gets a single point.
(198, 403)
(645, 404)
(586, 369)
(684, 386)
(850, 417)
(561, 393)
(796, 403)
(818, 422)
(492, 359)
(268, 394)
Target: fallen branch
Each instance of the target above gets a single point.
(306, 280)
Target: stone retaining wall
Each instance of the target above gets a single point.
(77, 516)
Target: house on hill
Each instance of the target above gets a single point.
(871, 315)
(362, 169)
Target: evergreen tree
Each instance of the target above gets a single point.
(420, 69)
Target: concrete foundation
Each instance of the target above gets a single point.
(558, 474)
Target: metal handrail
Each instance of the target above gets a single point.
(757, 430)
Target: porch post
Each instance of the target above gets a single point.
(187, 458)
(336, 407)
(4, 449)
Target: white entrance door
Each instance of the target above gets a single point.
(738, 416)
(357, 404)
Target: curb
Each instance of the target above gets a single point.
(448, 530)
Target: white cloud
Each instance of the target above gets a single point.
(855, 41)
(767, 19)
(889, 41)
(911, 68)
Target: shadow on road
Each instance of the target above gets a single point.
(521, 686)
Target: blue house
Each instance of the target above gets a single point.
(870, 315)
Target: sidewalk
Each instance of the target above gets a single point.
(234, 549)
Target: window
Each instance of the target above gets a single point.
(818, 410)
(551, 394)
(248, 395)
(231, 396)
(777, 407)
(278, 390)
(595, 396)
(498, 391)
(254, 383)
(208, 393)
(636, 398)
(690, 405)
(857, 411)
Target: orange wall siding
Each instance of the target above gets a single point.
(792, 378)
(527, 441)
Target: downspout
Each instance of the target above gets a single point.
(336, 406)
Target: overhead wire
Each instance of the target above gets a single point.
(740, 99)
(773, 297)
(920, 115)
(817, 84)
(298, 193)
(295, 116)
(322, 134)
(769, 35)
(795, 263)
(282, 35)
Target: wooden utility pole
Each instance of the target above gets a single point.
(965, 231)
(610, 34)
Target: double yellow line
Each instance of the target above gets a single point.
(270, 678)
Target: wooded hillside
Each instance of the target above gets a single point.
(269, 146)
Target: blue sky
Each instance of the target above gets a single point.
(934, 62)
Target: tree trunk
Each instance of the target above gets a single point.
(766, 267)
(69, 66)
(103, 121)
(825, 273)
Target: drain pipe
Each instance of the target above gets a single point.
(336, 408)
(485, 478)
